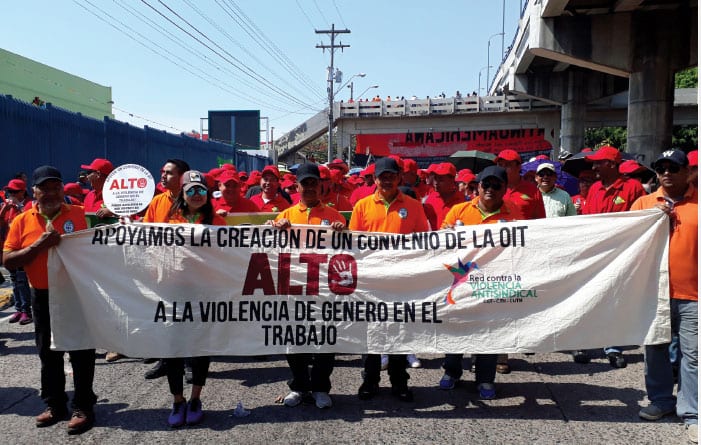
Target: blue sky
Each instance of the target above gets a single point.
(167, 79)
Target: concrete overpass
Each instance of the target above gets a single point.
(575, 53)
(574, 64)
(466, 114)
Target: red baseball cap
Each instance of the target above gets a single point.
(228, 167)
(508, 155)
(541, 157)
(465, 175)
(693, 157)
(324, 172)
(410, 166)
(336, 176)
(605, 153)
(445, 169)
(287, 183)
(271, 169)
(73, 188)
(100, 165)
(368, 171)
(630, 167)
(16, 185)
(215, 172)
(228, 176)
(338, 164)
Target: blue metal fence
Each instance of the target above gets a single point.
(31, 136)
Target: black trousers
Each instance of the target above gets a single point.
(53, 378)
(318, 380)
(396, 369)
(175, 371)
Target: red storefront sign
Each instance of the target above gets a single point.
(445, 143)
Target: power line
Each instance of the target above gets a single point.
(339, 13)
(232, 61)
(245, 50)
(249, 26)
(305, 14)
(218, 85)
(323, 17)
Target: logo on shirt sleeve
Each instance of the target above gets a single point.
(618, 200)
(403, 213)
(68, 227)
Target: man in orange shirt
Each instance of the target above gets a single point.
(680, 201)
(312, 211)
(31, 235)
(159, 208)
(159, 211)
(387, 210)
(489, 207)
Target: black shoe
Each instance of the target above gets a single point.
(188, 375)
(157, 371)
(368, 390)
(617, 360)
(581, 357)
(403, 393)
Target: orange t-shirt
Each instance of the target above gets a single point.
(28, 227)
(159, 209)
(403, 215)
(471, 215)
(316, 216)
(683, 242)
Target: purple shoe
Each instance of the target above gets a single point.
(194, 412)
(25, 318)
(177, 415)
(16, 317)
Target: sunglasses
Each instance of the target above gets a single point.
(199, 190)
(496, 186)
(545, 173)
(672, 168)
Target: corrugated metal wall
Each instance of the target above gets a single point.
(31, 136)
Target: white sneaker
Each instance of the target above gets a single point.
(292, 399)
(323, 400)
(384, 361)
(413, 361)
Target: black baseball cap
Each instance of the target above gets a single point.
(492, 171)
(676, 156)
(44, 173)
(308, 170)
(387, 164)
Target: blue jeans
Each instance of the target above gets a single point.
(20, 291)
(659, 380)
(485, 367)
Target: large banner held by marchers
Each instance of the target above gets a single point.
(159, 290)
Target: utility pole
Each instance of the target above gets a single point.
(332, 47)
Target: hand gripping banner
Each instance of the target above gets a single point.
(160, 290)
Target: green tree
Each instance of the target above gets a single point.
(688, 78)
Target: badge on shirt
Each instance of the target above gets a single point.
(68, 227)
(325, 222)
(403, 213)
(525, 197)
(619, 200)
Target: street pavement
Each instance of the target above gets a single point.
(546, 399)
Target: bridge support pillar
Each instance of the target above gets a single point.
(573, 112)
(656, 55)
(343, 141)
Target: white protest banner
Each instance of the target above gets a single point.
(159, 290)
(128, 189)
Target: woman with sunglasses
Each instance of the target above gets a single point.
(193, 206)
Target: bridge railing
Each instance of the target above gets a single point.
(438, 106)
